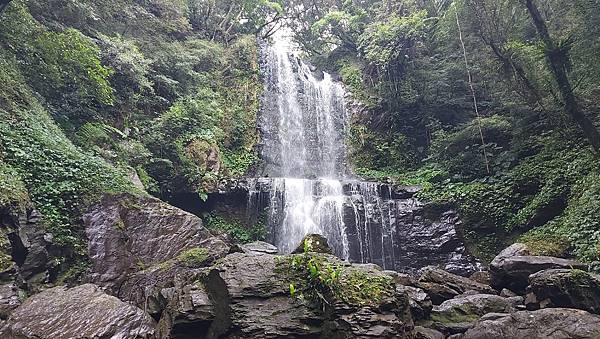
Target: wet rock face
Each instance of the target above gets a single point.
(381, 223)
(551, 323)
(80, 312)
(564, 288)
(24, 247)
(128, 234)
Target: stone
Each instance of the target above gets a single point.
(419, 301)
(128, 234)
(442, 285)
(254, 300)
(80, 312)
(9, 299)
(513, 272)
(469, 308)
(25, 247)
(550, 323)
(313, 243)
(251, 294)
(427, 333)
(564, 288)
(259, 247)
(482, 277)
(507, 293)
(190, 312)
(400, 278)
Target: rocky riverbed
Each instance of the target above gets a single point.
(156, 272)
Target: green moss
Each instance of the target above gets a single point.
(12, 189)
(361, 289)
(194, 257)
(239, 232)
(543, 243)
(455, 316)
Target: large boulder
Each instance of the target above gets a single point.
(259, 295)
(128, 234)
(80, 312)
(442, 285)
(25, 247)
(313, 243)
(10, 299)
(419, 301)
(550, 323)
(564, 288)
(513, 272)
(463, 311)
(254, 300)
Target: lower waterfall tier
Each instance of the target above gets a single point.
(365, 222)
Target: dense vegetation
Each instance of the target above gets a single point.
(94, 93)
(527, 165)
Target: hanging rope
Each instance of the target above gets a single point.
(478, 118)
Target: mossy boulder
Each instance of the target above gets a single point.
(313, 243)
(570, 288)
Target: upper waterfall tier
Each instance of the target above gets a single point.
(303, 118)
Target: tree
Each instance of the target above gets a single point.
(557, 55)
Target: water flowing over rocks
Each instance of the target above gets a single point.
(306, 187)
(80, 312)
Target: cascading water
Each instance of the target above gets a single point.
(306, 188)
(303, 144)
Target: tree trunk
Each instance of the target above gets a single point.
(558, 58)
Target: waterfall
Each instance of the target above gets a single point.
(303, 125)
(305, 186)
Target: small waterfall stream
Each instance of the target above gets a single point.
(305, 186)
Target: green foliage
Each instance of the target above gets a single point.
(61, 180)
(194, 257)
(317, 280)
(543, 243)
(461, 152)
(239, 232)
(12, 190)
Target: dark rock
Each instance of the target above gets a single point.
(482, 277)
(189, 313)
(400, 278)
(419, 301)
(253, 300)
(438, 292)
(251, 294)
(513, 272)
(128, 234)
(259, 247)
(24, 247)
(9, 299)
(442, 285)
(564, 288)
(457, 312)
(507, 293)
(80, 312)
(427, 333)
(313, 243)
(551, 323)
